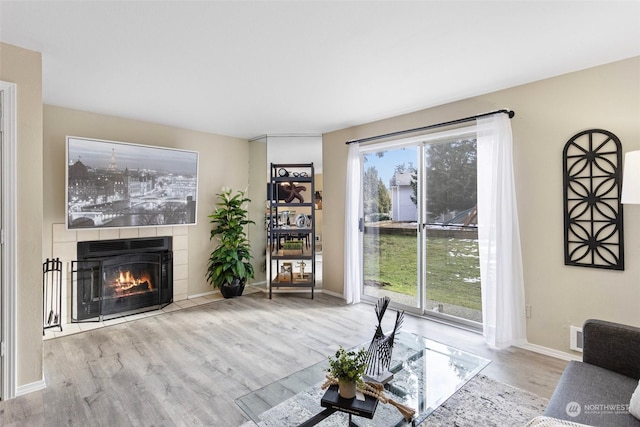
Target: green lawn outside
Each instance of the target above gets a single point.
(453, 272)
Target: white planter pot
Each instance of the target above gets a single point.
(347, 389)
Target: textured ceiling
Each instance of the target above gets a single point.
(244, 68)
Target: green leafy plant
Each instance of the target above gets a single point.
(231, 259)
(348, 365)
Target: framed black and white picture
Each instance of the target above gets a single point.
(112, 184)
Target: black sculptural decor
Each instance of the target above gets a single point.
(593, 223)
(381, 347)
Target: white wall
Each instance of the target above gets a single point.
(295, 149)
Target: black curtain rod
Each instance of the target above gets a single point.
(438, 125)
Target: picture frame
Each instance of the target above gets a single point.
(286, 272)
(112, 184)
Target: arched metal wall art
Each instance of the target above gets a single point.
(593, 234)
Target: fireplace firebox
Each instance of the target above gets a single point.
(114, 278)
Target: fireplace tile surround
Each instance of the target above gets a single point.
(64, 246)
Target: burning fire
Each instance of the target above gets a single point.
(127, 284)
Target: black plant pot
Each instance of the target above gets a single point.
(230, 290)
(240, 288)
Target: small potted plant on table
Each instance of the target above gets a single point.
(347, 367)
(229, 264)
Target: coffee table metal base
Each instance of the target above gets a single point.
(322, 415)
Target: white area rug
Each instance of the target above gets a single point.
(485, 402)
(481, 402)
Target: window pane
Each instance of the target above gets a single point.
(453, 268)
(390, 251)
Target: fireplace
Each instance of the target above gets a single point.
(114, 278)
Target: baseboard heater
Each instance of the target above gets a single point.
(576, 342)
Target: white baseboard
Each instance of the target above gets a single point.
(30, 388)
(333, 294)
(550, 352)
(202, 294)
(217, 291)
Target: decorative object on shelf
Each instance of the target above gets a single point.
(301, 220)
(286, 271)
(231, 259)
(347, 367)
(593, 221)
(292, 247)
(301, 265)
(293, 192)
(381, 347)
(284, 218)
(283, 173)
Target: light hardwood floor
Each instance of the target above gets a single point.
(187, 367)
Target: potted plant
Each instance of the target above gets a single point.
(347, 367)
(229, 265)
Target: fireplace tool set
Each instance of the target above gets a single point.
(52, 294)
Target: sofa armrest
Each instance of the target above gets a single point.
(612, 346)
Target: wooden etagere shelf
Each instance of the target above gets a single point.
(291, 227)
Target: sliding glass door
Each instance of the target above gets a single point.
(391, 240)
(420, 240)
(452, 286)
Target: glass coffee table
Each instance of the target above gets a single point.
(425, 374)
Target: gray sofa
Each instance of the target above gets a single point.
(597, 390)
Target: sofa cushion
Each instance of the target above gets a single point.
(592, 395)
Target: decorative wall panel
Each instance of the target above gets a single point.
(593, 232)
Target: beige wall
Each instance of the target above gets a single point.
(548, 113)
(223, 161)
(24, 68)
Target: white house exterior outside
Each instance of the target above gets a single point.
(402, 208)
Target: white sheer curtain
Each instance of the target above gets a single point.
(352, 255)
(503, 305)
